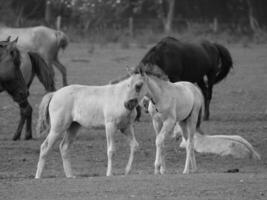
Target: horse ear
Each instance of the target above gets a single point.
(129, 71)
(16, 40)
(145, 75)
(8, 38)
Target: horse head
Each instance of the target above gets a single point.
(11, 77)
(9, 58)
(136, 90)
(9, 51)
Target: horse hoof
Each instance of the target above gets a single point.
(71, 176)
(186, 172)
(15, 138)
(206, 118)
(28, 137)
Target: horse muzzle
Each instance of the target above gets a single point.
(145, 105)
(131, 104)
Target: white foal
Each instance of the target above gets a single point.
(172, 103)
(189, 127)
(66, 110)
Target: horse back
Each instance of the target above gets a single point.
(179, 60)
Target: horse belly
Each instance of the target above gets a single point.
(89, 115)
(185, 101)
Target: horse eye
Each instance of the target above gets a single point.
(138, 87)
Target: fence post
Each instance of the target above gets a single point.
(215, 25)
(58, 22)
(131, 27)
(48, 12)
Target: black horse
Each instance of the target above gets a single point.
(182, 61)
(13, 82)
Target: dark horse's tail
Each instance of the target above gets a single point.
(226, 62)
(44, 73)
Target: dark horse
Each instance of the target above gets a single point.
(13, 82)
(183, 61)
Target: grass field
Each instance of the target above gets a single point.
(239, 106)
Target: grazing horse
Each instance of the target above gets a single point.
(43, 40)
(30, 64)
(66, 110)
(12, 81)
(182, 61)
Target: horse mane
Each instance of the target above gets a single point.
(15, 54)
(149, 69)
(13, 51)
(118, 80)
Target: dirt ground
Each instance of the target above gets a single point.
(239, 106)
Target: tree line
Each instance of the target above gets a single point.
(165, 15)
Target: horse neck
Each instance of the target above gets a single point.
(119, 87)
(14, 84)
(156, 88)
(17, 89)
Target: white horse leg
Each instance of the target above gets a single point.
(110, 131)
(193, 162)
(190, 154)
(184, 144)
(157, 125)
(44, 150)
(64, 148)
(168, 126)
(133, 147)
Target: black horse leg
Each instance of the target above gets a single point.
(209, 94)
(20, 126)
(28, 113)
(138, 111)
(25, 114)
(204, 90)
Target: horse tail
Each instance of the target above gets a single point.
(44, 73)
(43, 123)
(226, 62)
(62, 40)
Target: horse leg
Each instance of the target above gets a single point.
(44, 150)
(133, 147)
(62, 70)
(110, 131)
(25, 113)
(205, 93)
(184, 132)
(211, 79)
(65, 146)
(49, 64)
(190, 129)
(28, 134)
(138, 111)
(167, 126)
(157, 125)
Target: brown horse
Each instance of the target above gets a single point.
(17, 69)
(11, 81)
(45, 41)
